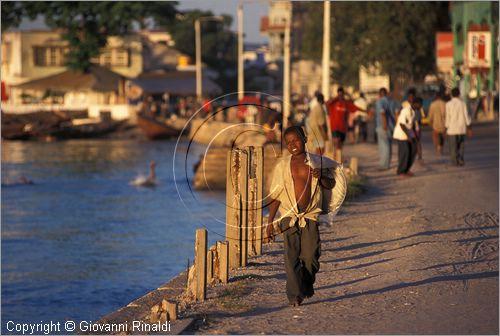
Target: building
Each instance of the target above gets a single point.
(273, 26)
(32, 55)
(475, 48)
(305, 74)
(306, 77)
(256, 55)
(30, 58)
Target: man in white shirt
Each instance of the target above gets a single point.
(457, 125)
(316, 125)
(405, 134)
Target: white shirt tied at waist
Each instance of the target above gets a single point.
(282, 189)
(407, 118)
(457, 118)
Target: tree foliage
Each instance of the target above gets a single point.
(86, 25)
(218, 43)
(400, 36)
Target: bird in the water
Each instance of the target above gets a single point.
(149, 181)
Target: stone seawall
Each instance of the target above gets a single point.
(140, 310)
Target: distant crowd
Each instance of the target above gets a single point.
(341, 118)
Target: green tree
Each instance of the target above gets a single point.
(86, 25)
(218, 44)
(400, 36)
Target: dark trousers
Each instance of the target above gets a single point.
(456, 143)
(406, 155)
(302, 251)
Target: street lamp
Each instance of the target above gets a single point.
(286, 74)
(198, 52)
(241, 70)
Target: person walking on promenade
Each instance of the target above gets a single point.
(296, 190)
(437, 119)
(384, 121)
(338, 111)
(457, 124)
(316, 124)
(360, 127)
(406, 134)
(410, 97)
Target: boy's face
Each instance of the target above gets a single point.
(416, 105)
(294, 143)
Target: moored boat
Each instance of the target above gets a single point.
(156, 128)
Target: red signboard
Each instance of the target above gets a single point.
(478, 49)
(444, 51)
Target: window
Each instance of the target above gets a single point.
(49, 56)
(6, 51)
(109, 57)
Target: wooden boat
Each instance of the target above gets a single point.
(20, 126)
(156, 128)
(84, 129)
(14, 131)
(49, 126)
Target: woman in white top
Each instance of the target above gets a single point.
(405, 133)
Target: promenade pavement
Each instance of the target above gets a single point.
(413, 255)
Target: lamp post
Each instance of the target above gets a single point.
(286, 75)
(198, 52)
(241, 71)
(325, 87)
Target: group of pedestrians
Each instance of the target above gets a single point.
(395, 123)
(336, 117)
(403, 125)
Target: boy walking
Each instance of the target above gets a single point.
(457, 125)
(406, 135)
(296, 191)
(437, 115)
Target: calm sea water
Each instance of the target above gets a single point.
(81, 242)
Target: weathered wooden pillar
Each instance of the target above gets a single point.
(233, 207)
(210, 266)
(201, 264)
(338, 155)
(354, 165)
(255, 185)
(245, 205)
(244, 189)
(223, 253)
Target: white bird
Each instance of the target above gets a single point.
(149, 181)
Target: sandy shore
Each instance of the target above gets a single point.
(411, 256)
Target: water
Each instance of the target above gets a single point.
(81, 242)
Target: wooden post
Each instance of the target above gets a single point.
(255, 191)
(223, 252)
(244, 190)
(354, 165)
(259, 175)
(170, 308)
(210, 266)
(252, 200)
(244, 205)
(201, 264)
(233, 200)
(338, 155)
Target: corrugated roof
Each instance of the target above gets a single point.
(97, 79)
(176, 82)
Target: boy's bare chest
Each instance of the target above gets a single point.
(300, 171)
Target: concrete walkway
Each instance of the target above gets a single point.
(412, 256)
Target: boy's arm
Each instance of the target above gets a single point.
(273, 208)
(326, 181)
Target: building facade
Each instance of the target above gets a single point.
(475, 36)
